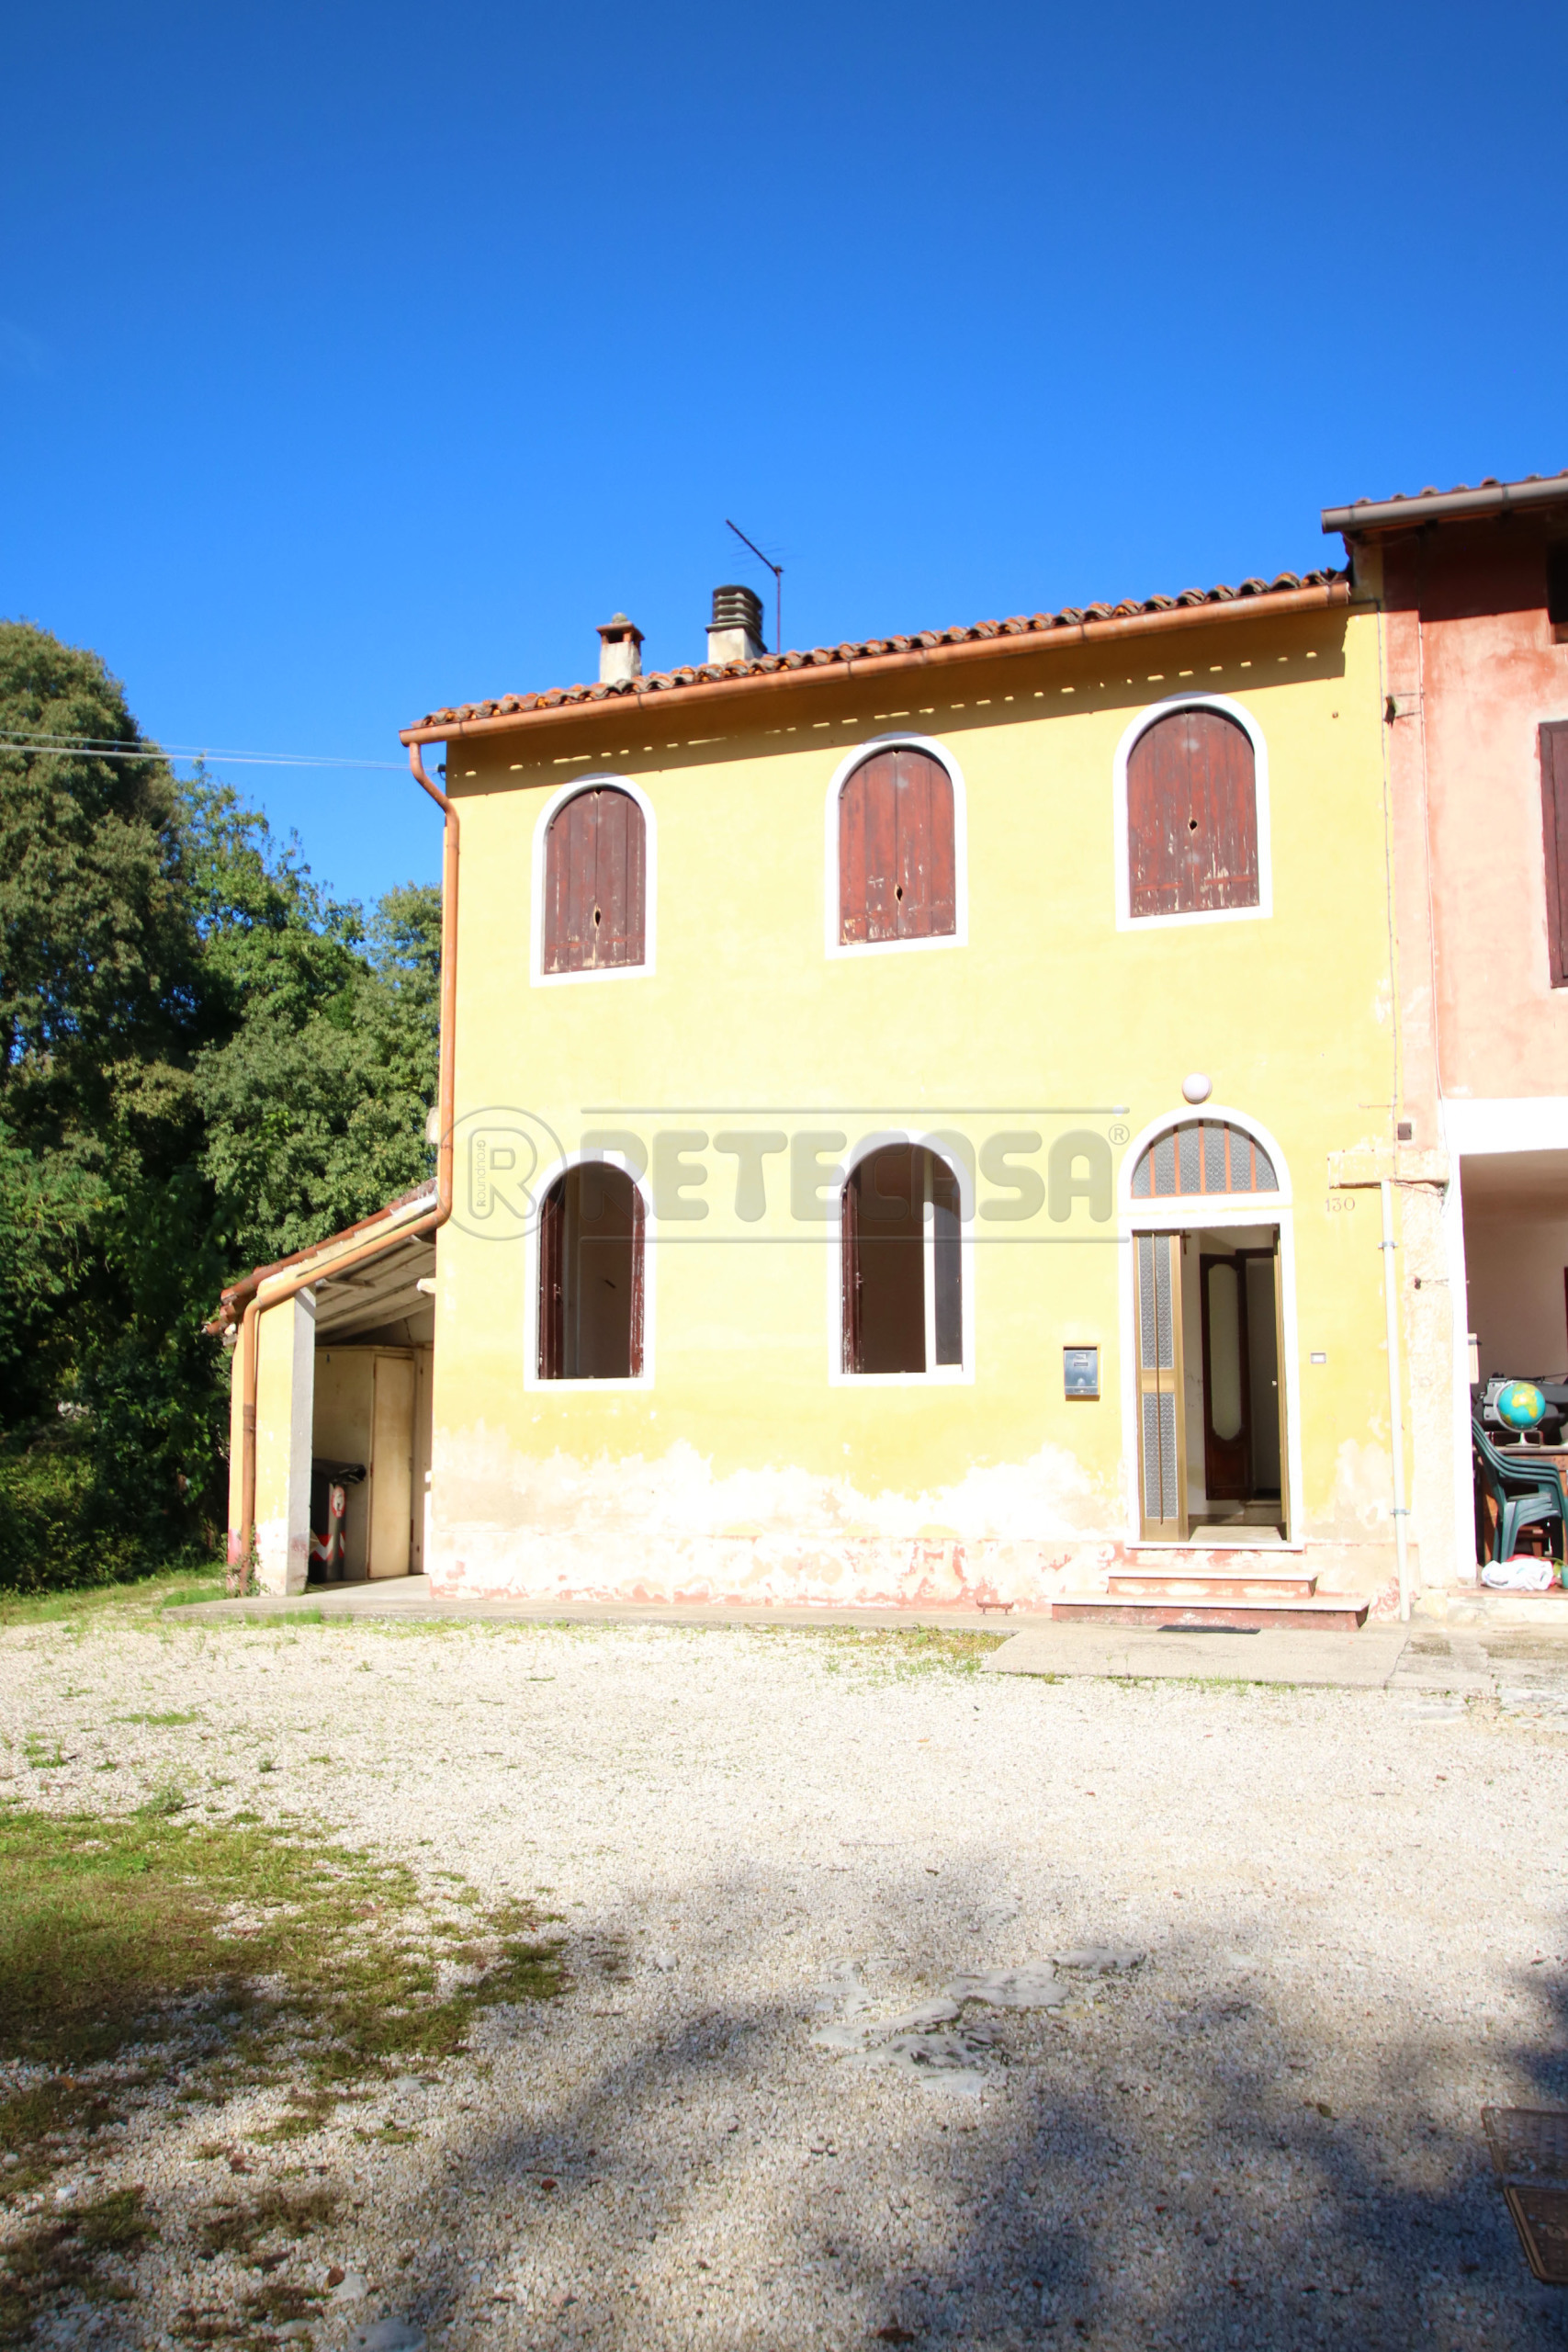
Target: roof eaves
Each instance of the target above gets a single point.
(397, 1214)
(1072, 621)
(1407, 511)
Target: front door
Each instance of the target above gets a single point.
(1162, 1434)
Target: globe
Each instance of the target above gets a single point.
(1521, 1403)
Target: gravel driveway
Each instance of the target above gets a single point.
(857, 2047)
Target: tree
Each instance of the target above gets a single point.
(205, 1063)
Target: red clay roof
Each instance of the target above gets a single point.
(1409, 511)
(1458, 490)
(821, 656)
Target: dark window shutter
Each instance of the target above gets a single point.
(595, 883)
(1192, 816)
(552, 1334)
(898, 857)
(1554, 826)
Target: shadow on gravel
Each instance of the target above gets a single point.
(1172, 2168)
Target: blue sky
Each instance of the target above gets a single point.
(358, 359)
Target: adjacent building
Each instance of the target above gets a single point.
(1470, 587)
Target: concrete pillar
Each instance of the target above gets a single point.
(286, 1396)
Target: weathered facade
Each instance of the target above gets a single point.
(912, 1112)
(1472, 587)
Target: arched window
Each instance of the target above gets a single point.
(595, 883)
(898, 859)
(903, 1297)
(590, 1282)
(1203, 1156)
(1192, 816)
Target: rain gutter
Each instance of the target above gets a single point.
(839, 668)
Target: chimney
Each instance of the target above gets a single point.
(620, 650)
(735, 632)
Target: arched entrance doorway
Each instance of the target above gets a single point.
(1205, 1205)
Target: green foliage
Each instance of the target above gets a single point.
(222, 1956)
(203, 1064)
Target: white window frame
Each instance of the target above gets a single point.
(1125, 919)
(1216, 1213)
(534, 1380)
(599, 781)
(959, 935)
(945, 1375)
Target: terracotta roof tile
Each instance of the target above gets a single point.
(866, 649)
(1456, 489)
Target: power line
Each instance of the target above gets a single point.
(104, 748)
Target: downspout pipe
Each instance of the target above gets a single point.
(242, 1538)
(1395, 1404)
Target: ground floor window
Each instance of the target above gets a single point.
(903, 1304)
(591, 1277)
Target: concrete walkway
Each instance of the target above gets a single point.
(406, 1598)
(1518, 1664)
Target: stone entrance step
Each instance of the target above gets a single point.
(1322, 1613)
(1237, 1580)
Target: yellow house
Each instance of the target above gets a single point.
(890, 1098)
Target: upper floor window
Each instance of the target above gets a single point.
(903, 1298)
(897, 849)
(591, 1277)
(1192, 827)
(595, 883)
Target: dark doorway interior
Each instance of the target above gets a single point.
(590, 1281)
(903, 1297)
(1238, 1299)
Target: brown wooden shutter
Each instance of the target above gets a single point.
(595, 883)
(552, 1319)
(1192, 816)
(898, 859)
(639, 1219)
(851, 1274)
(1555, 825)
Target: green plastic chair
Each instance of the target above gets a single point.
(1524, 1498)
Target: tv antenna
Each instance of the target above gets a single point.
(777, 570)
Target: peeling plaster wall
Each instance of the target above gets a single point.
(1471, 670)
(742, 1463)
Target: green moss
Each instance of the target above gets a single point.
(253, 1952)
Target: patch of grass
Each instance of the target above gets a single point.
(127, 1598)
(239, 2226)
(65, 2253)
(169, 1799)
(898, 1651)
(275, 2304)
(44, 1755)
(252, 1952)
(45, 2124)
(169, 1715)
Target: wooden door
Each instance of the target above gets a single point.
(1227, 1381)
(392, 1466)
(1162, 1431)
